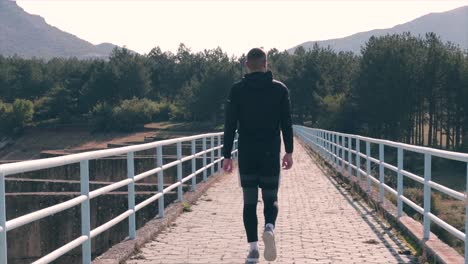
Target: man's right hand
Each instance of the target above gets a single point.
(227, 165)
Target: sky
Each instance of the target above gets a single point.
(235, 26)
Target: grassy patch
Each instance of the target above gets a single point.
(186, 207)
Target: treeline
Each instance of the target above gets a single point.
(413, 90)
(402, 87)
(121, 93)
(405, 88)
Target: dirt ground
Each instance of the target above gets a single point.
(35, 140)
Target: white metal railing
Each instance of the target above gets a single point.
(333, 147)
(84, 199)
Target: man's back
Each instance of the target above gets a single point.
(260, 105)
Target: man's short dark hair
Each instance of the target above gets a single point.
(256, 58)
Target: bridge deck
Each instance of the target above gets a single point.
(319, 222)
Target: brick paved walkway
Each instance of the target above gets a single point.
(317, 223)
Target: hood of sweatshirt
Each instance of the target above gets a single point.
(258, 80)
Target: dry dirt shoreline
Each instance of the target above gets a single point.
(35, 140)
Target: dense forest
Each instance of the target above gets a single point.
(402, 87)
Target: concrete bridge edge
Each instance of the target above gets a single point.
(434, 248)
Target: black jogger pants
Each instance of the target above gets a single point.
(270, 209)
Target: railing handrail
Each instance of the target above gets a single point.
(329, 146)
(31, 165)
(459, 156)
(85, 197)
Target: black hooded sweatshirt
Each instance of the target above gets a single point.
(259, 107)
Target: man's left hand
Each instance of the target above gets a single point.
(287, 161)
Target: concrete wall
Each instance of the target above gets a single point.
(29, 192)
(30, 242)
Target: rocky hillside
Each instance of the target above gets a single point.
(29, 35)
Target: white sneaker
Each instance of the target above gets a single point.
(270, 245)
(252, 257)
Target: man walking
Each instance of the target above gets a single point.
(259, 107)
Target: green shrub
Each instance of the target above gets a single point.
(177, 113)
(134, 113)
(23, 111)
(186, 207)
(131, 114)
(5, 113)
(127, 116)
(102, 117)
(59, 103)
(164, 111)
(15, 117)
(40, 107)
(4, 108)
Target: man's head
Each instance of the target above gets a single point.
(257, 60)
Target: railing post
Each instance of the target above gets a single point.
(159, 151)
(320, 143)
(212, 145)
(219, 153)
(427, 194)
(381, 172)
(233, 155)
(179, 171)
(317, 141)
(358, 160)
(466, 216)
(343, 159)
(85, 212)
(368, 167)
(3, 233)
(131, 194)
(325, 145)
(236, 144)
(314, 139)
(400, 182)
(194, 166)
(335, 150)
(310, 138)
(332, 158)
(332, 148)
(235, 147)
(204, 158)
(322, 140)
(350, 155)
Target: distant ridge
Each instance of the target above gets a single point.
(450, 26)
(29, 36)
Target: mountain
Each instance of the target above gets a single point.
(450, 26)
(29, 35)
